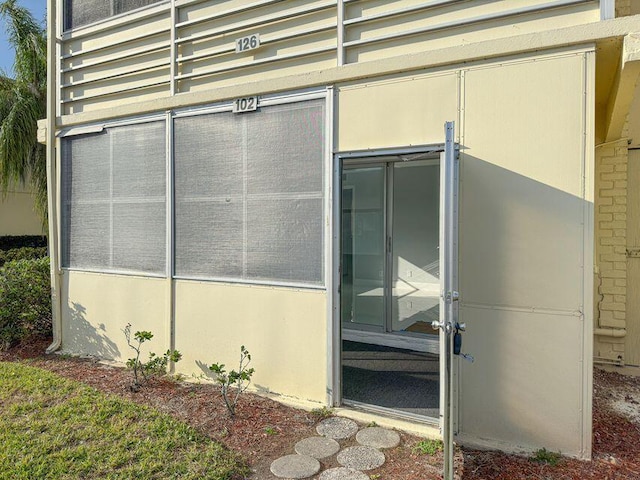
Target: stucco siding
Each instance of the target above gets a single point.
(17, 214)
(285, 330)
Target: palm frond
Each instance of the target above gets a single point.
(22, 104)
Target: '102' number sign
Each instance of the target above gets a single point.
(245, 104)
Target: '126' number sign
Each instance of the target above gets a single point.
(250, 42)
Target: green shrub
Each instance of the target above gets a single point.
(25, 300)
(9, 242)
(24, 253)
(237, 380)
(156, 365)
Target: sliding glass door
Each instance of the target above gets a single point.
(363, 248)
(390, 246)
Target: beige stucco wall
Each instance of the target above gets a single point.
(97, 307)
(525, 253)
(17, 215)
(524, 125)
(525, 241)
(113, 63)
(284, 329)
(401, 110)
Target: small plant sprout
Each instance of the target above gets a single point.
(322, 413)
(156, 365)
(233, 383)
(428, 447)
(270, 431)
(545, 456)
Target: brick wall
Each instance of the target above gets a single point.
(611, 259)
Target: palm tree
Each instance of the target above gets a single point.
(23, 101)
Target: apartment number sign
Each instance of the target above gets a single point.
(245, 104)
(250, 42)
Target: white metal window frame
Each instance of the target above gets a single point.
(97, 128)
(325, 93)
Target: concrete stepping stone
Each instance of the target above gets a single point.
(337, 428)
(361, 458)
(295, 466)
(343, 473)
(378, 437)
(317, 447)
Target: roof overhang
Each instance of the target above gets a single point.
(623, 91)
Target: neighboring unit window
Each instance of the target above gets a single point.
(83, 12)
(114, 199)
(249, 194)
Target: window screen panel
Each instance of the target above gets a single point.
(122, 6)
(208, 156)
(209, 238)
(114, 199)
(285, 148)
(249, 194)
(88, 239)
(139, 236)
(139, 166)
(83, 12)
(90, 169)
(284, 240)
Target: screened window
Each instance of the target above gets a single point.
(249, 194)
(83, 12)
(114, 199)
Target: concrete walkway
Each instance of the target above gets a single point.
(355, 460)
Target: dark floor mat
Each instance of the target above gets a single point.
(391, 377)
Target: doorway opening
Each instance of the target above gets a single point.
(390, 283)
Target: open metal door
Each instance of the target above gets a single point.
(448, 323)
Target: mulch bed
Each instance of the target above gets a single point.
(264, 430)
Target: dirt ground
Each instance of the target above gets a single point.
(264, 430)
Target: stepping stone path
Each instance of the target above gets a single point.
(295, 466)
(361, 458)
(337, 428)
(317, 447)
(377, 437)
(365, 456)
(343, 473)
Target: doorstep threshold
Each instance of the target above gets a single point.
(390, 418)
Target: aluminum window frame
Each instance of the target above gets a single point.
(97, 127)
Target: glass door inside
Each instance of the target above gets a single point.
(390, 285)
(363, 248)
(415, 228)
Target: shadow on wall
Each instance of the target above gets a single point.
(521, 282)
(81, 332)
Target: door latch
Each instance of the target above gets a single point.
(457, 342)
(452, 297)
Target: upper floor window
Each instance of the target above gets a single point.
(83, 12)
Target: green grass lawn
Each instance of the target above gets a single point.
(53, 428)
